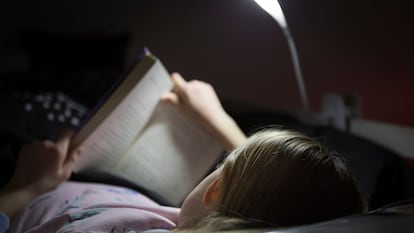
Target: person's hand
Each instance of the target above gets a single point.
(41, 166)
(200, 99)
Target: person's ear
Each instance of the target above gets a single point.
(211, 193)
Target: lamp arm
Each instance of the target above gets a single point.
(276, 12)
(296, 67)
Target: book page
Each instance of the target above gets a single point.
(171, 156)
(112, 138)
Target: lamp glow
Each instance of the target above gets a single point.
(274, 9)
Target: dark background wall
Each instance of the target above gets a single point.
(361, 47)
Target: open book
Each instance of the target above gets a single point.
(133, 135)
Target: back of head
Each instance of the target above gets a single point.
(284, 178)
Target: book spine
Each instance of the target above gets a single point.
(144, 52)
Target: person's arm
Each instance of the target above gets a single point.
(200, 99)
(41, 167)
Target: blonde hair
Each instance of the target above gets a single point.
(283, 178)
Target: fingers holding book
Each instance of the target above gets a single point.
(197, 97)
(201, 100)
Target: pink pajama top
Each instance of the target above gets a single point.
(90, 207)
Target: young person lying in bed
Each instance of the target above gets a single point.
(274, 178)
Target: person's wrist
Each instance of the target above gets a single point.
(229, 132)
(21, 192)
(220, 122)
(26, 191)
(14, 198)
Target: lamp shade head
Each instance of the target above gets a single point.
(272, 7)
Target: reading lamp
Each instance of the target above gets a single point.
(272, 7)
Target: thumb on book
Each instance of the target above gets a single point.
(179, 82)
